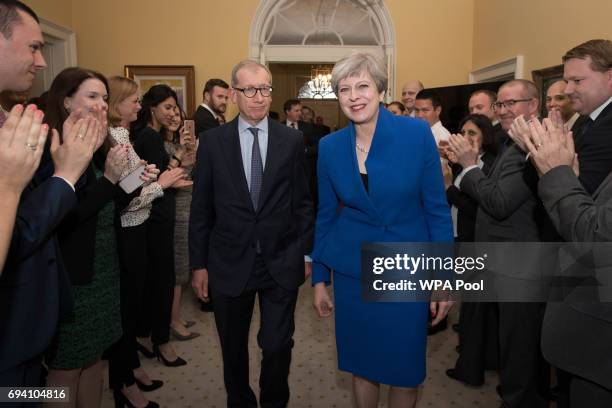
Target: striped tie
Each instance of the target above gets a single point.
(256, 169)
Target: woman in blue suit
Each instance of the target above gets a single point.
(379, 181)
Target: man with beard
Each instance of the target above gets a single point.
(214, 105)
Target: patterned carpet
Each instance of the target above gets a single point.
(314, 380)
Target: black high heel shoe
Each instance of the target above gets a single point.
(160, 357)
(155, 384)
(143, 350)
(122, 401)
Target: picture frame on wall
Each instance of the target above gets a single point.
(181, 78)
(543, 78)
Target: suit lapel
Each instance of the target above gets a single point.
(277, 143)
(230, 146)
(372, 166)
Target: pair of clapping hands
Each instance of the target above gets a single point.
(549, 144)
(22, 142)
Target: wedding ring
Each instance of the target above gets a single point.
(80, 136)
(31, 146)
(538, 145)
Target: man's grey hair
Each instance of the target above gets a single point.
(357, 63)
(530, 90)
(248, 64)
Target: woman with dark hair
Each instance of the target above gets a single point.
(479, 132)
(126, 376)
(87, 245)
(182, 155)
(159, 105)
(477, 321)
(396, 108)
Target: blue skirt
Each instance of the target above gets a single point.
(383, 342)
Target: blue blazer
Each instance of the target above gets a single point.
(406, 201)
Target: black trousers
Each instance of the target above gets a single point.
(28, 374)
(133, 263)
(478, 341)
(584, 393)
(275, 338)
(524, 374)
(156, 311)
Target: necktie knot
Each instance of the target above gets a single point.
(254, 131)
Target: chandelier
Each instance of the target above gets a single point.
(320, 83)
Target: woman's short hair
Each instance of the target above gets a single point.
(119, 89)
(486, 128)
(65, 84)
(355, 64)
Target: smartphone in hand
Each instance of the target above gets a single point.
(132, 181)
(188, 129)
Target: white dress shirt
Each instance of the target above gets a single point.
(440, 132)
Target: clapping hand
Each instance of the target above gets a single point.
(447, 173)
(72, 156)
(519, 131)
(116, 162)
(22, 140)
(550, 144)
(465, 153)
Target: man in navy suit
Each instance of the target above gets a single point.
(34, 288)
(251, 226)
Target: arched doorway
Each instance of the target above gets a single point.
(322, 31)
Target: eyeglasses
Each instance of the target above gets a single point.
(251, 92)
(508, 104)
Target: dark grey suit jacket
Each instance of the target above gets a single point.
(577, 334)
(506, 199)
(509, 211)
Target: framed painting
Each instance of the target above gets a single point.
(181, 78)
(543, 78)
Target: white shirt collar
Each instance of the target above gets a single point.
(598, 111)
(243, 125)
(572, 120)
(205, 106)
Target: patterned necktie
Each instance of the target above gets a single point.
(256, 169)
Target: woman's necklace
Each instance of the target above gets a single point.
(361, 148)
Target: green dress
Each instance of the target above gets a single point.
(95, 323)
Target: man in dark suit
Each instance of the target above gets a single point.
(213, 106)
(324, 130)
(509, 211)
(34, 287)
(293, 114)
(481, 101)
(577, 332)
(250, 228)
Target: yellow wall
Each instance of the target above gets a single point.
(56, 11)
(434, 41)
(541, 30)
(211, 35)
(113, 33)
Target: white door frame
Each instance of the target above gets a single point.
(313, 54)
(513, 66)
(60, 52)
